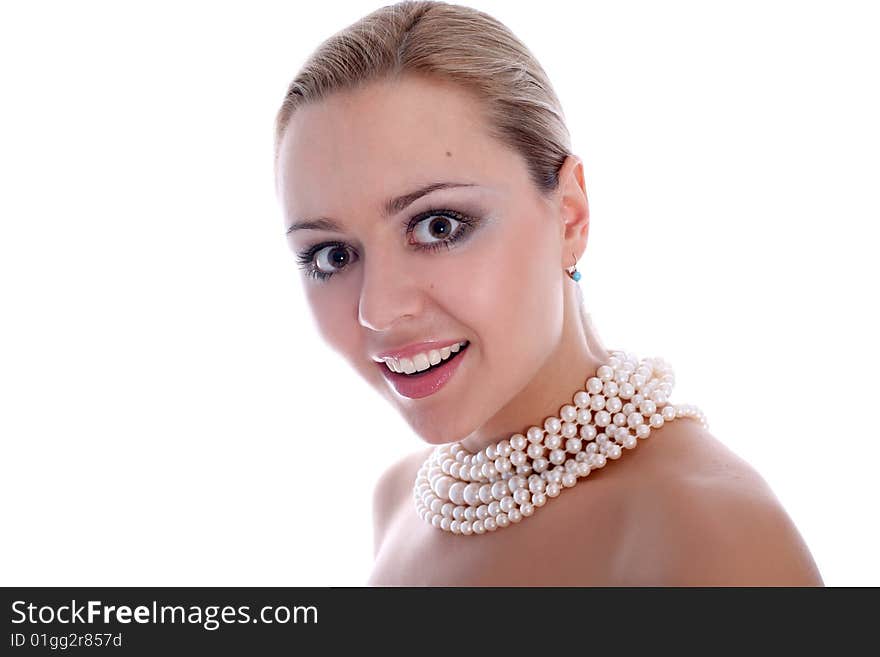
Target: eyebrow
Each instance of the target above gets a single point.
(390, 208)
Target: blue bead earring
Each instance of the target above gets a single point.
(572, 271)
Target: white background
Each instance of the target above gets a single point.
(168, 414)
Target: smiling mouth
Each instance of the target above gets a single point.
(442, 363)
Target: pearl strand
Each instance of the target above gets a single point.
(466, 493)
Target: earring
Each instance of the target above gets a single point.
(572, 271)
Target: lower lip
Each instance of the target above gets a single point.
(427, 383)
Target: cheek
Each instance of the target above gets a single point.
(515, 294)
(336, 318)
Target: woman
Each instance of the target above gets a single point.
(431, 195)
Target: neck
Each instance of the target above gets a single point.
(577, 356)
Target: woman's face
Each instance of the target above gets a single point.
(481, 262)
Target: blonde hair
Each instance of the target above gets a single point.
(453, 43)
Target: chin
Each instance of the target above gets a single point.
(437, 431)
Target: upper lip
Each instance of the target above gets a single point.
(414, 348)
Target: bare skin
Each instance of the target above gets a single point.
(680, 509)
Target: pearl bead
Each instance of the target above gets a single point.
(552, 425)
(569, 429)
(507, 503)
(518, 441)
(552, 489)
(539, 499)
(494, 508)
(552, 441)
(635, 419)
(535, 451)
(441, 486)
(594, 385)
(610, 389)
(502, 520)
(535, 435)
(471, 493)
(605, 373)
(573, 445)
(499, 490)
(585, 416)
(597, 402)
(456, 492)
(568, 413)
(668, 413)
(613, 405)
(581, 398)
(515, 515)
(569, 479)
(503, 464)
(489, 524)
(527, 509)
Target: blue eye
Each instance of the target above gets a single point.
(445, 226)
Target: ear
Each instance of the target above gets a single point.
(574, 210)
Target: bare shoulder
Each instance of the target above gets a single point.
(392, 487)
(702, 516)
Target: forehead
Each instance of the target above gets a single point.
(363, 146)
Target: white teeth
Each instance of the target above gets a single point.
(422, 361)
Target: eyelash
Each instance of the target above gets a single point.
(306, 257)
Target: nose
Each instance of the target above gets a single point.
(388, 292)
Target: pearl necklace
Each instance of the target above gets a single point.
(466, 493)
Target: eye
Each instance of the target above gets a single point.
(438, 228)
(324, 260)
